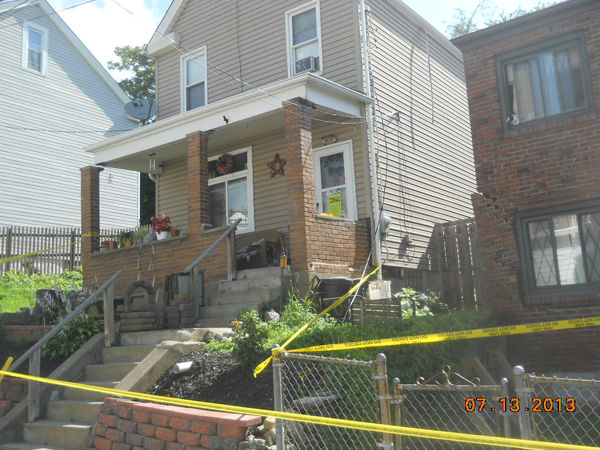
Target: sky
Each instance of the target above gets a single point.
(103, 25)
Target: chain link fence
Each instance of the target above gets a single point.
(565, 410)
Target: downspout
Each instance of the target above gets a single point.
(371, 138)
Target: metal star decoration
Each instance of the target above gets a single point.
(277, 166)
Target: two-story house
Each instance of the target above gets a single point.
(533, 85)
(318, 119)
(56, 99)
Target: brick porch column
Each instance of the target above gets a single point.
(301, 186)
(197, 176)
(90, 211)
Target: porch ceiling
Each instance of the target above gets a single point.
(249, 114)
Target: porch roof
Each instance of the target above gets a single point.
(129, 150)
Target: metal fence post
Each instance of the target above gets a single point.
(505, 414)
(278, 401)
(383, 396)
(398, 406)
(522, 391)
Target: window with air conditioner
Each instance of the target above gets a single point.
(193, 80)
(303, 26)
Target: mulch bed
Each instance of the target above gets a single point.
(217, 378)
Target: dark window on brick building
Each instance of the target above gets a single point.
(545, 80)
(561, 250)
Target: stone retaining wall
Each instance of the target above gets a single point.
(125, 424)
(12, 391)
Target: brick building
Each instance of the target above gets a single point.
(533, 85)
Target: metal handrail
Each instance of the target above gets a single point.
(214, 245)
(63, 322)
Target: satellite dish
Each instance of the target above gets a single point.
(142, 109)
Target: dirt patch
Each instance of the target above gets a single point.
(217, 378)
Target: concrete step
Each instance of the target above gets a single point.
(72, 410)
(108, 372)
(214, 323)
(81, 395)
(242, 285)
(126, 353)
(243, 298)
(29, 446)
(156, 336)
(56, 433)
(263, 272)
(224, 311)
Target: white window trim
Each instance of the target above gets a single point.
(193, 54)
(25, 51)
(344, 147)
(288, 32)
(233, 176)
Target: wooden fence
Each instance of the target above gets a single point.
(461, 283)
(59, 248)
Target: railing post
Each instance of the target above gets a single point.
(383, 396)
(33, 391)
(278, 401)
(231, 260)
(522, 393)
(505, 414)
(109, 316)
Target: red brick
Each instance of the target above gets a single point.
(102, 444)
(108, 420)
(127, 426)
(166, 434)
(115, 435)
(177, 423)
(146, 429)
(153, 444)
(134, 439)
(120, 446)
(204, 427)
(5, 405)
(159, 420)
(99, 429)
(141, 416)
(189, 439)
(231, 430)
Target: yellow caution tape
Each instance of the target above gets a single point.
(6, 366)
(318, 420)
(509, 330)
(25, 255)
(301, 330)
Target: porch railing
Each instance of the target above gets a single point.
(197, 287)
(34, 353)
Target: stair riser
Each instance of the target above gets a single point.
(244, 285)
(108, 372)
(253, 274)
(224, 311)
(80, 395)
(244, 298)
(77, 412)
(66, 437)
(126, 354)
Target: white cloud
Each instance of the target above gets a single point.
(104, 25)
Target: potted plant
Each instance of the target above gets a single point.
(126, 239)
(174, 230)
(104, 246)
(138, 236)
(162, 226)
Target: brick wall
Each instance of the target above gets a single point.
(127, 424)
(553, 163)
(12, 391)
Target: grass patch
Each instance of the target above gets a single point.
(17, 289)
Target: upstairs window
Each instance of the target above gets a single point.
(545, 82)
(561, 250)
(304, 39)
(193, 74)
(35, 43)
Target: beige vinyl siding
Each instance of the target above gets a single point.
(247, 40)
(173, 192)
(45, 124)
(422, 132)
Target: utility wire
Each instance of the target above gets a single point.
(56, 11)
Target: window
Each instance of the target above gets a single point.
(303, 27)
(561, 250)
(35, 43)
(545, 81)
(193, 80)
(230, 189)
(334, 180)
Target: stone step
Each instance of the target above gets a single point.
(136, 327)
(126, 353)
(242, 285)
(263, 272)
(56, 433)
(72, 410)
(29, 446)
(156, 336)
(138, 315)
(227, 312)
(108, 372)
(244, 298)
(81, 395)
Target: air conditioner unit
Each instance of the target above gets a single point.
(308, 64)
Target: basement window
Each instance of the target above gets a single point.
(560, 249)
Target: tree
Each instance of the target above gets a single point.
(133, 60)
(465, 23)
(141, 84)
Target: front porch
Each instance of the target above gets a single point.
(213, 171)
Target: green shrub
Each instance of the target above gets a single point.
(76, 333)
(249, 336)
(17, 289)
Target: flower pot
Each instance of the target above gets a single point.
(162, 235)
(174, 233)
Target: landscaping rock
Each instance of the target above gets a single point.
(269, 423)
(271, 316)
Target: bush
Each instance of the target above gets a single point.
(249, 337)
(76, 333)
(17, 289)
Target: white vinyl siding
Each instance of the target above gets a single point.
(40, 179)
